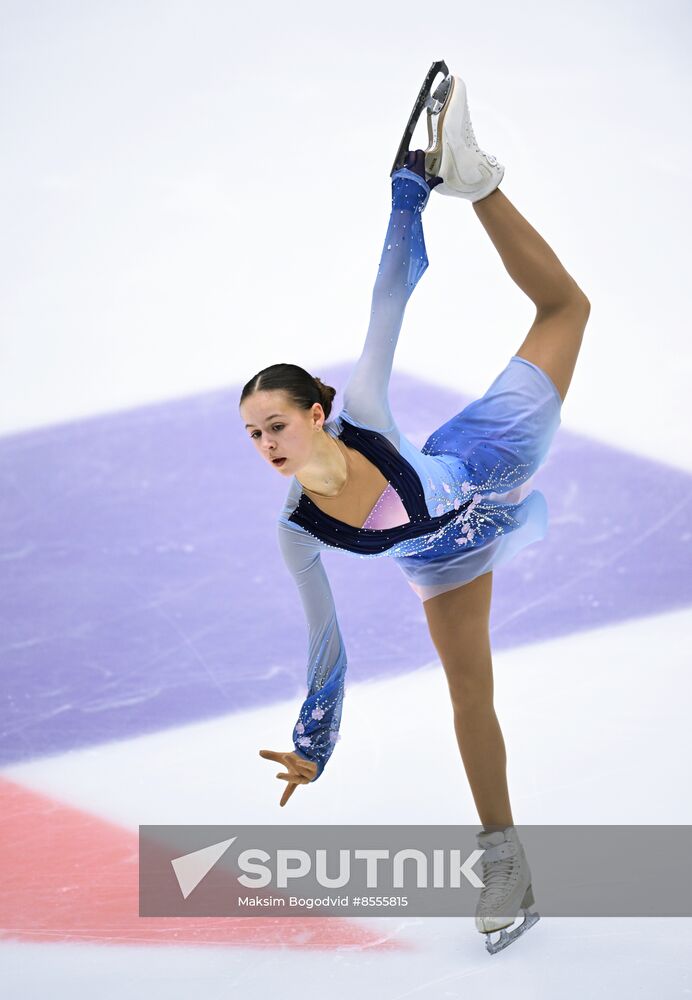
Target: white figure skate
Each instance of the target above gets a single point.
(507, 888)
(453, 152)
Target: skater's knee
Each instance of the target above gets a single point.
(470, 682)
(583, 301)
(471, 698)
(572, 301)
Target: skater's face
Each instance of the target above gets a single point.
(281, 430)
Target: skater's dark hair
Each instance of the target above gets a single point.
(303, 388)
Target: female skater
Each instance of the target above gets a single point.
(448, 513)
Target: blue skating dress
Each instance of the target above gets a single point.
(456, 508)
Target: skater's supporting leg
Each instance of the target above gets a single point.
(562, 308)
(458, 622)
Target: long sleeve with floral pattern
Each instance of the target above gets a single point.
(402, 262)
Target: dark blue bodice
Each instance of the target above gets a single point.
(403, 477)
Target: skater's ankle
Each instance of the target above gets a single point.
(496, 827)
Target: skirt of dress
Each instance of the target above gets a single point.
(504, 436)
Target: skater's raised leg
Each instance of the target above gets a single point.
(468, 172)
(562, 308)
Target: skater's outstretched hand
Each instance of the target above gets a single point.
(415, 161)
(299, 771)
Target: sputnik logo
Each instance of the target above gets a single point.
(191, 868)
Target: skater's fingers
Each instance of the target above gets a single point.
(278, 755)
(309, 768)
(298, 767)
(415, 161)
(293, 776)
(301, 765)
(301, 779)
(290, 789)
(419, 167)
(305, 775)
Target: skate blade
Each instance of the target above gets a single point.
(508, 937)
(437, 106)
(422, 101)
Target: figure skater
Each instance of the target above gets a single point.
(449, 512)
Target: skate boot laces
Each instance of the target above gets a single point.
(498, 864)
(472, 141)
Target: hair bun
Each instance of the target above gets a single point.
(327, 394)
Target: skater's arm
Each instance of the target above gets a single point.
(402, 262)
(316, 731)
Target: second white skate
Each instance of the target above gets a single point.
(507, 891)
